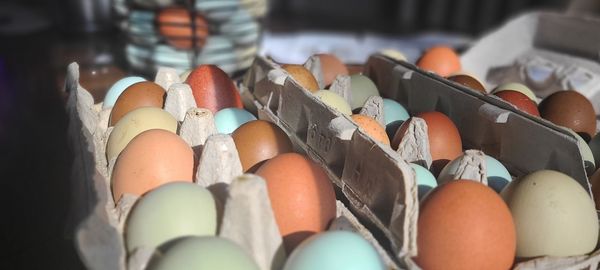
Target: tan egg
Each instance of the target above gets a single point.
(152, 158)
(258, 141)
(142, 94)
(372, 128)
(302, 76)
(134, 123)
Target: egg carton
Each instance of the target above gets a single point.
(368, 173)
(546, 51)
(97, 222)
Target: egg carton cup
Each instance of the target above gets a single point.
(243, 207)
(523, 143)
(546, 51)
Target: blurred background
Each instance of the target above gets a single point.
(112, 38)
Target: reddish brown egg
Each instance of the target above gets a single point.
(465, 225)
(175, 25)
(137, 95)
(301, 196)
(213, 89)
(152, 158)
(441, 60)
(595, 183)
(519, 100)
(372, 128)
(468, 81)
(572, 110)
(302, 76)
(444, 139)
(258, 141)
(331, 67)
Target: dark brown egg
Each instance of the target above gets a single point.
(175, 25)
(213, 89)
(302, 76)
(468, 81)
(572, 110)
(137, 95)
(519, 100)
(331, 67)
(258, 141)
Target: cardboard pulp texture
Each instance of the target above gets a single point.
(243, 207)
(522, 143)
(378, 184)
(547, 52)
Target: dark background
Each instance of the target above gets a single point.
(35, 159)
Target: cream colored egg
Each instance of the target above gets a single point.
(134, 123)
(334, 100)
(517, 87)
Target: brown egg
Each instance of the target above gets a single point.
(302, 76)
(331, 67)
(175, 25)
(213, 89)
(372, 128)
(465, 225)
(301, 195)
(258, 141)
(595, 183)
(572, 110)
(152, 158)
(137, 95)
(444, 139)
(468, 81)
(519, 100)
(441, 60)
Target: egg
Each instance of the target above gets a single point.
(301, 195)
(572, 110)
(516, 87)
(497, 175)
(372, 128)
(425, 180)
(213, 89)
(361, 88)
(444, 140)
(137, 95)
(204, 252)
(334, 101)
(595, 183)
(302, 76)
(229, 119)
(152, 158)
(175, 24)
(393, 54)
(464, 224)
(335, 250)
(259, 140)
(393, 111)
(331, 67)
(168, 212)
(441, 60)
(134, 123)
(117, 88)
(468, 81)
(554, 215)
(520, 101)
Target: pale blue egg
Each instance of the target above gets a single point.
(393, 111)
(497, 175)
(335, 250)
(425, 180)
(117, 88)
(229, 119)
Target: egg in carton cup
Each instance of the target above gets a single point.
(243, 207)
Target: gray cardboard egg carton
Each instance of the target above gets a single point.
(546, 51)
(97, 224)
(523, 143)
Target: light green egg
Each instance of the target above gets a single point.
(334, 101)
(168, 212)
(334, 250)
(203, 253)
(362, 88)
